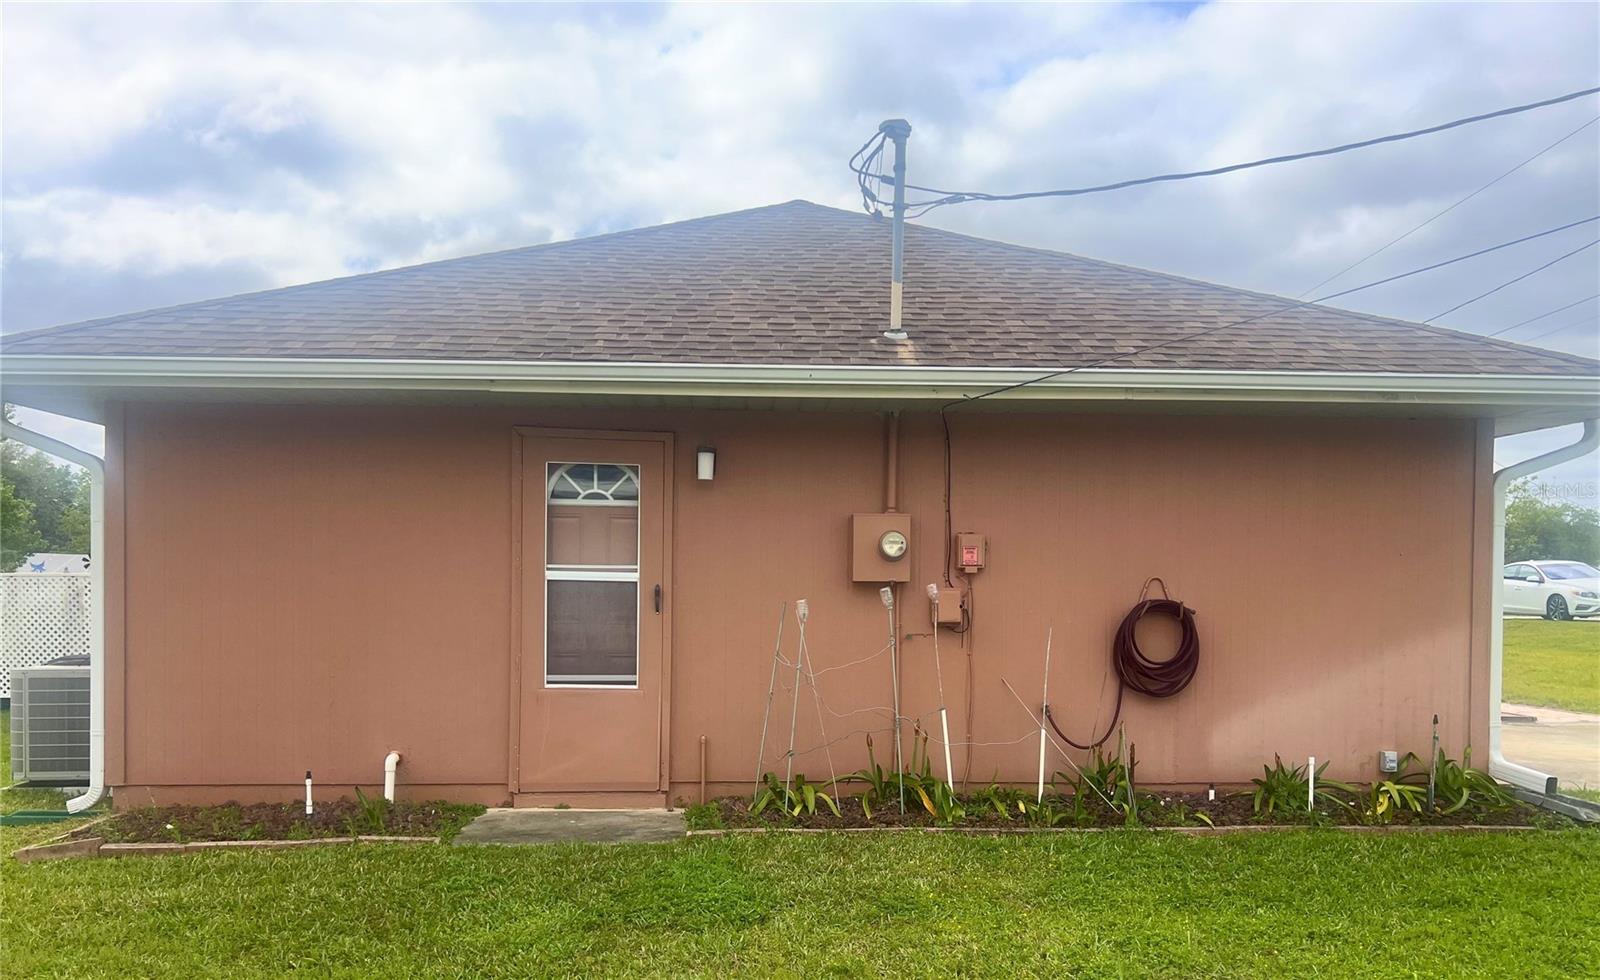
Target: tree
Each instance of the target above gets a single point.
(19, 535)
(54, 495)
(1542, 526)
(75, 521)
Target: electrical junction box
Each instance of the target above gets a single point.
(1388, 761)
(880, 547)
(947, 612)
(972, 550)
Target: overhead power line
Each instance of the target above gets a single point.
(1565, 326)
(1292, 305)
(958, 197)
(1395, 241)
(1559, 309)
(1512, 282)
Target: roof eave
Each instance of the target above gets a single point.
(1571, 394)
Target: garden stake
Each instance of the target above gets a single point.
(938, 672)
(887, 595)
(1311, 783)
(1433, 761)
(804, 658)
(1045, 698)
(801, 612)
(772, 686)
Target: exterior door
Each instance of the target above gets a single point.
(594, 557)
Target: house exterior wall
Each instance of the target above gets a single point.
(309, 587)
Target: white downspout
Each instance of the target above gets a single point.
(1499, 766)
(390, 763)
(97, 587)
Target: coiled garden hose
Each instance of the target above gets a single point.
(1153, 678)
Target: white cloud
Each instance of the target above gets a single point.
(303, 142)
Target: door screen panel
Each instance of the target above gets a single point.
(591, 574)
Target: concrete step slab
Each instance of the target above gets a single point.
(504, 825)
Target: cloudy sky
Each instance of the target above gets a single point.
(155, 155)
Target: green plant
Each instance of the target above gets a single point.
(1287, 788)
(1110, 782)
(1390, 796)
(1047, 812)
(1457, 785)
(702, 816)
(800, 797)
(880, 783)
(1003, 800)
(937, 796)
(371, 815)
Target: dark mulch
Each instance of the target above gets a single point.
(283, 821)
(1156, 810)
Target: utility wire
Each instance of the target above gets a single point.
(1379, 251)
(1294, 305)
(1565, 326)
(957, 197)
(1559, 309)
(1512, 282)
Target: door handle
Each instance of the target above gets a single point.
(658, 599)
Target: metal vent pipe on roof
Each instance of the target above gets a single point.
(898, 131)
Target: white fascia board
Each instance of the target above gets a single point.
(823, 381)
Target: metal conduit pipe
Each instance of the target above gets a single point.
(1499, 766)
(97, 586)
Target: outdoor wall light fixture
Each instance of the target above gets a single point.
(705, 463)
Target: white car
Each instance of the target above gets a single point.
(1552, 589)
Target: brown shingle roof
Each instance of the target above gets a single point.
(794, 283)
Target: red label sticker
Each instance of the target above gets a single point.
(969, 555)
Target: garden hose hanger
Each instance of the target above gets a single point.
(1154, 678)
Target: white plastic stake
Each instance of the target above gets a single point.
(308, 792)
(938, 669)
(1049, 637)
(1311, 783)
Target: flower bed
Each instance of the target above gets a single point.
(282, 821)
(979, 812)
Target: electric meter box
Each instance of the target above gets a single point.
(972, 551)
(880, 547)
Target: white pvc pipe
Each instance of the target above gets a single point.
(1499, 766)
(97, 586)
(1046, 712)
(308, 792)
(1311, 783)
(390, 763)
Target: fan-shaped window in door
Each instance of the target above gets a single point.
(591, 575)
(594, 483)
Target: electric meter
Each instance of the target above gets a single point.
(892, 545)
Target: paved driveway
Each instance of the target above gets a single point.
(1565, 744)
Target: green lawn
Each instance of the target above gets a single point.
(1119, 903)
(1555, 664)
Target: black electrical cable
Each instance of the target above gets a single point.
(1152, 678)
(1416, 228)
(959, 197)
(1541, 316)
(1513, 282)
(1294, 305)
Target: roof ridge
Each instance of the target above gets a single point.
(1241, 291)
(62, 328)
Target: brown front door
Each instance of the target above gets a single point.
(594, 612)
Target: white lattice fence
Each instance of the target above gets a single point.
(42, 616)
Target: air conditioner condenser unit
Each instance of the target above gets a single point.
(50, 724)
